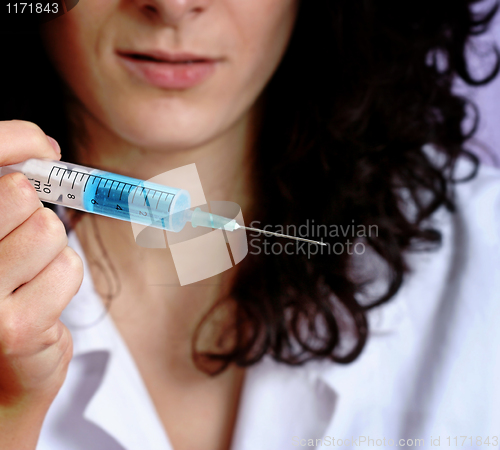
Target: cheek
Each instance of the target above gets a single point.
(265, 27)
(71, 42)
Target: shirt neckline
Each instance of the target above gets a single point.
(302, 399)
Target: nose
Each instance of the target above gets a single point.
(171, 12)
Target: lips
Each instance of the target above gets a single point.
(168, 70)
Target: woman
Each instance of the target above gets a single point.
(352, 100)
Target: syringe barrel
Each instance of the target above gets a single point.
(138, 201)
(105, 193)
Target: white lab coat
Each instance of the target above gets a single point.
(430, 369)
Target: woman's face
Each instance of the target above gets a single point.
(170, 73)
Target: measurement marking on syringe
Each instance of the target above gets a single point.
(48, 179)
(85, 187)
(58, 170)
(167, 194)
(76, 176)
(135, 192)
(109, 191)
(146, 198)
(100, 179)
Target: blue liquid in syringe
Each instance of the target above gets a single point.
(135, 200)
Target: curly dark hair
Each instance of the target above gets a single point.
(353, 128)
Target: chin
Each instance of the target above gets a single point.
(162, 128)
(165, 134)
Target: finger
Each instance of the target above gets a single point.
(18, 201)
(26, 251)
(21, 140)
(43, 299)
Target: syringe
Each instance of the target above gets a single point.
(121, 197)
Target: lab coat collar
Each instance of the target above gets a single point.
(277, 401)
(122, 397)
(122, 394)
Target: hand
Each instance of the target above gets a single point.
(39, 275)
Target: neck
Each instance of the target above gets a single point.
(143, 284)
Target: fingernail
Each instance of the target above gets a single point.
(54, 144)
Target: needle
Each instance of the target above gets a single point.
(279, 235)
